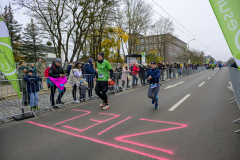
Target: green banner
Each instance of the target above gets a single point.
(7, 63)
(228, 16)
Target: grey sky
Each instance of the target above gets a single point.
(195, 15)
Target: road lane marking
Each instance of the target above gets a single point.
(201, 84)
(213, 74)
(209, 77)
(171, 86)
(180, 102)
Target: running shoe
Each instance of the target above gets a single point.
(152, 101)
(106, 107)
(103, 104)
(156, 107)
(76, 101)
(37, 107)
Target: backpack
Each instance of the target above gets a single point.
(46, 72)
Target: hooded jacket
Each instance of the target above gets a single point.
(90, 70)
(55, 71)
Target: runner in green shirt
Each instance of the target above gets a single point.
(103, 77)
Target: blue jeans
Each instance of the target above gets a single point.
(33, 99)
(134, 79)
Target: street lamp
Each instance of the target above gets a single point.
(188, 45)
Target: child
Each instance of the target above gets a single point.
(32, 88)
(82, 91)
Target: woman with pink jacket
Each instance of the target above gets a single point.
(124, 78)
(134, 75)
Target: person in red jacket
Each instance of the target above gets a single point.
(135, 71)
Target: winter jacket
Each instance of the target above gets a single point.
(39, 70)
(75, 76)
(32, 83)
(55, 71)
(69, 68)
(155, 73)
(125, 74)
(22, 84)
(142, 71)
(90, 70)
(135, 70)
(83, 89)
(83, 67)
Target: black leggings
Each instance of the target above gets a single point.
(102, 95)
(74, 92)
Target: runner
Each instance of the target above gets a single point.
(103, 69)
(153, 75)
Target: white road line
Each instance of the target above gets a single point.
(213, 74)
(201, 84)
(180, 102)
(209, 77)
(171, 86)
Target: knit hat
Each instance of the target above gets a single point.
(153, 62)
(101, 54)
(58, 60)
(81, 82)
(23, 67)
(30, 70)
(90, 60)
(77, 63)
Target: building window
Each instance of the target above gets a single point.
(151, 47)
(160, 45)
(146, 47)
(137, 47)
(160, 38)
(150, 40)
(155, 39)
(142, 47)
(142, 40)
(146, 39)
(155, 46)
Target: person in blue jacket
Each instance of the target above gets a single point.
(153, 75)
(90, 76)
(32, 88)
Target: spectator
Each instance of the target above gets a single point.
(83, 91)
(74, 79)
(22, 86)
(162, 71)
(21, 63)
(171, 67)
(32, 66)
(142, 74)
(32, 88)
(56, 71)
(234, 65)
(134, 74)
(125, 76)
(90, 76)
(179, 68)
(40, 71)
(118, 73)
(83, 67)
(69, 67)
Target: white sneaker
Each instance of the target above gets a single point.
(124, 89)
(106, 107)
(76, 101)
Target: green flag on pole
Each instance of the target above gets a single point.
(7, 63)
(228, 16)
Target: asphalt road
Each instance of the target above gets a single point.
(199, 128)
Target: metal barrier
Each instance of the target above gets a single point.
(234, 86)
(11, 105)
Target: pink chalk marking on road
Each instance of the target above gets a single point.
(99, 122)
(101, 142)
(121, 138)
(113, 126)
(87, 112)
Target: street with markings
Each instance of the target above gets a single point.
(194, 122)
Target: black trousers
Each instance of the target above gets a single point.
(91, 86)
(74, 92)
(101, 90)
(123, 82)
(53, 90)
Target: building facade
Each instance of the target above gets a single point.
(169, 47)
